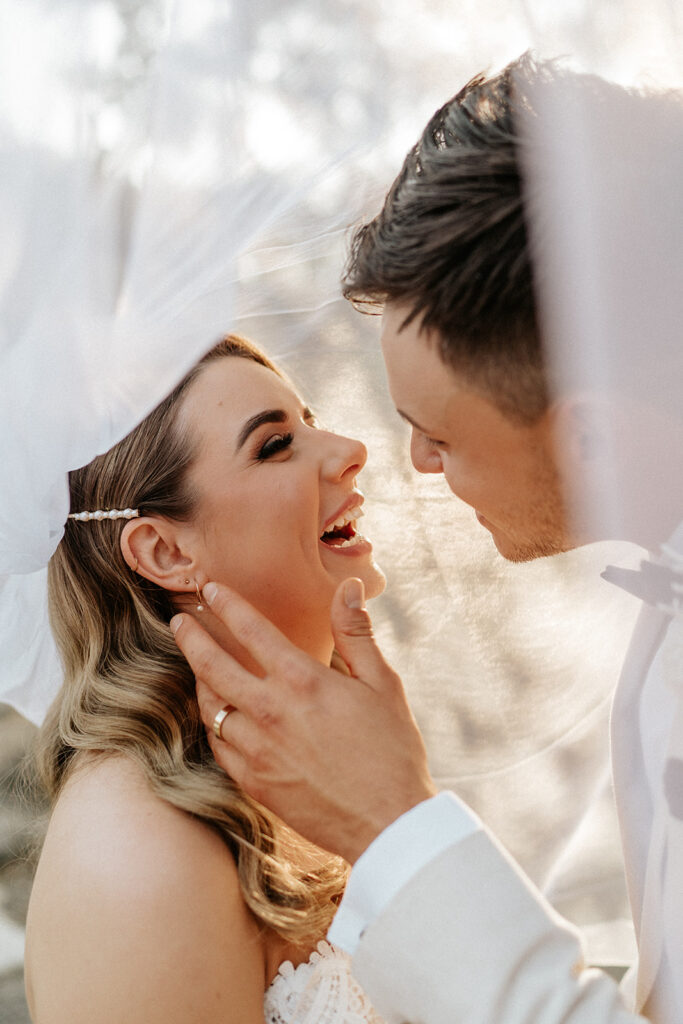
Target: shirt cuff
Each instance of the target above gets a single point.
(393, 858)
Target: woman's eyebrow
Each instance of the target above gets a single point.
(267, 416)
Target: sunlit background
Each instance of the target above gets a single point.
(174, 171)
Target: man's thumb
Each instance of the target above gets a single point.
(353, 636)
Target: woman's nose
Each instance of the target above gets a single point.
(425, 458)
(344, 456)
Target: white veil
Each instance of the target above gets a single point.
(604, 172)
(604, 167)
(174, 171)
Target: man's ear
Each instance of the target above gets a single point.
(153, 547)
(581, 429)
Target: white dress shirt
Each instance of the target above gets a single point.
(396, 856)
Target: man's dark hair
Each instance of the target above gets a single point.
(451, 244)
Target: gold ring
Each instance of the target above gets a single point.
(220, 718)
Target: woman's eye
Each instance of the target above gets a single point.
(274, 444)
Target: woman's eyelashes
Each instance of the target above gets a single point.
(276, 443)
(282, 440)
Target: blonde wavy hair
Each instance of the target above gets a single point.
(127, 688)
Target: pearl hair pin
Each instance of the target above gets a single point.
(112, 513)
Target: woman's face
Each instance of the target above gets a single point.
(270, 486)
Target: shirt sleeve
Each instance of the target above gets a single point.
(393, 858)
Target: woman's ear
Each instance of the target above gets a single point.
(152, 547)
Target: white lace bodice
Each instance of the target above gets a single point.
(321, 991)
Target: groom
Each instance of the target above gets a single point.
(442, 925)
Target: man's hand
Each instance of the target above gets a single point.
(337, 757)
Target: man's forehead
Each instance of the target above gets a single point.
(424, 389)
(414, 353)
(405, 347)
(394, 326)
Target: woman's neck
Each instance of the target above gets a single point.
(311, 637)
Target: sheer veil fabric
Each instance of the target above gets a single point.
(175, 171)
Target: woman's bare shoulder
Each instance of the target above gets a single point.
(143, 901)
(108, 820)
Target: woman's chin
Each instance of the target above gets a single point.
(355, 560)
(374, 580)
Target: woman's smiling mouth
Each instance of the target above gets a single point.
(342, 532)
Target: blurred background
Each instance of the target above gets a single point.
(248, 137)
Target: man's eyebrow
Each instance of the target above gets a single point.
(252, 424)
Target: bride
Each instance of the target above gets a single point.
(163, 892)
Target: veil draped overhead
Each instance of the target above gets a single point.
(174, 171)
(604, 166)
(604, 172)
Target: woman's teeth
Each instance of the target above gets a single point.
(342, 532)
(349, 516)
(351, 542)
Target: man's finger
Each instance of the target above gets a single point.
(210, 663)
(210, 705)
(229, 759)
(209, 702)
(254, 631)
(354, 639)
(224, 728)
(218, 720)
(237, 759)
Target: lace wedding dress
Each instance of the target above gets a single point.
(320, 991)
